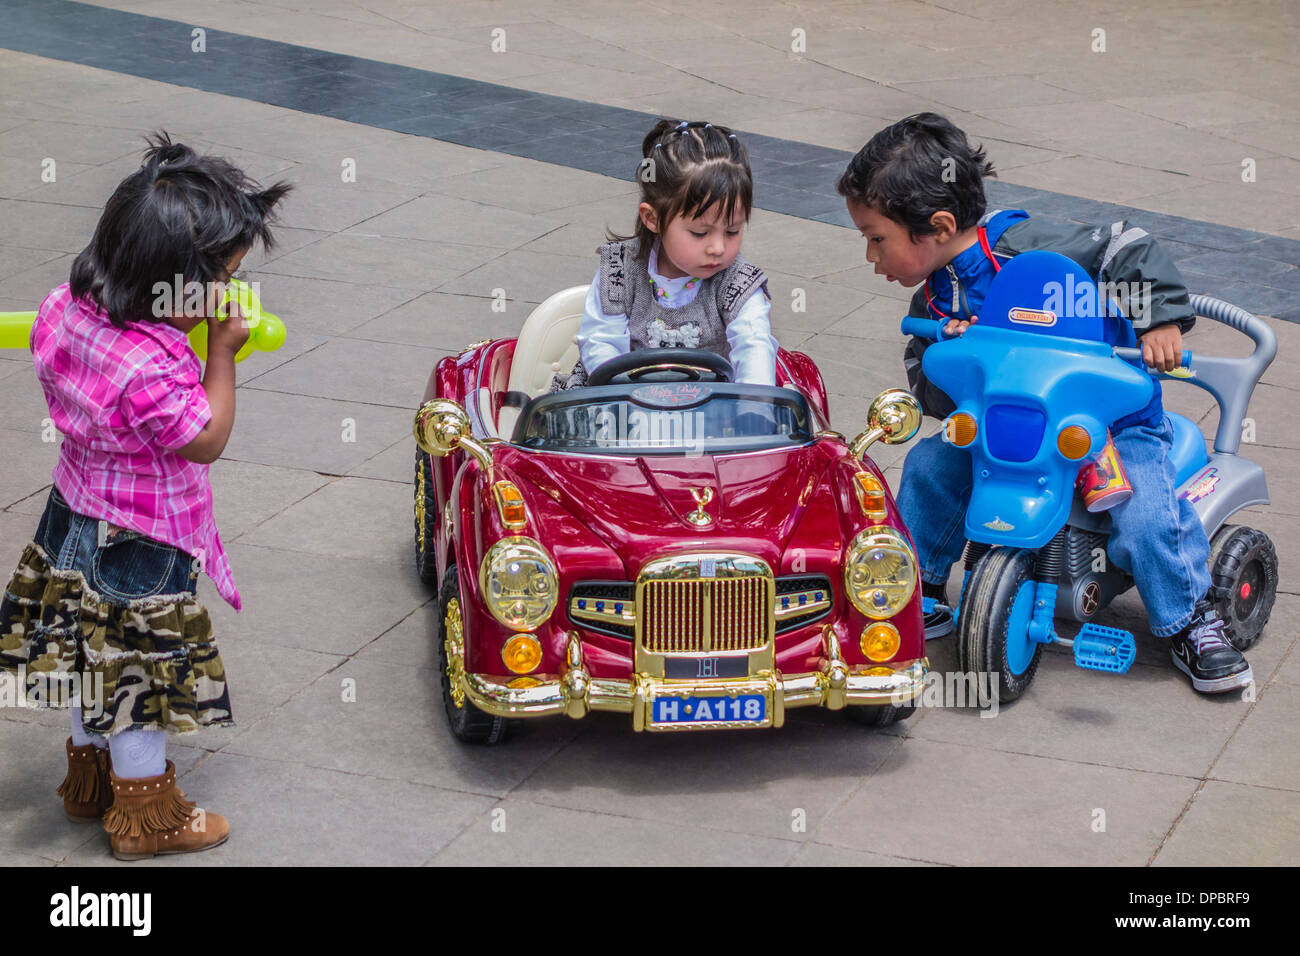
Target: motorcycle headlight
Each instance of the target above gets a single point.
(879, 572)
(519, 583)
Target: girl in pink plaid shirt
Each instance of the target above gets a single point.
(102, 609)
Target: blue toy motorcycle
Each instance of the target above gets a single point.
(1036, 387)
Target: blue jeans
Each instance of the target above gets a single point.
(1155, 535)
(123, 567)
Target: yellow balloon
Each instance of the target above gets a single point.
(266, 333)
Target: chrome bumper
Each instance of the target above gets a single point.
(835, 686)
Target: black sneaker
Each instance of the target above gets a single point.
(935, 611)
(1202, 653)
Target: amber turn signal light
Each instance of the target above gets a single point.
(879, 641)
(960, 429)
(871, 495)
(1074, 442)
(510, 502)
(522, 653)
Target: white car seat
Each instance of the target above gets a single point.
(546, 345)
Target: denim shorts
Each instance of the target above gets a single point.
(121, 567)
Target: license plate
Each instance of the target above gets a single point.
(741, 709)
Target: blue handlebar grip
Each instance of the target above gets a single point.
(1134, 357)
(922, 328)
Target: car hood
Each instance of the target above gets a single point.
(639, 505)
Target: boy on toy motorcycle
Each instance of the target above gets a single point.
(916, 193)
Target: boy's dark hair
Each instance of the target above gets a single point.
(686, 169)
(179, 214)
(919, 166)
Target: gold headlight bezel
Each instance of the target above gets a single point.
(900, 591)
(519, 548)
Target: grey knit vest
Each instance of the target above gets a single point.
(700, 324)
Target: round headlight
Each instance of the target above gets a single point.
(519, 583)
(880, 572)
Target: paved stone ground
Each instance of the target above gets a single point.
(379, 277)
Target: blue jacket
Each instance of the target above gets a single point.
(1124, 256)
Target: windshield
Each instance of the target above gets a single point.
(666, 418)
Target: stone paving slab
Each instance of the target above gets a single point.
(1231, 825)
(292, 599)
(1029, 810)
(393, 731)
(733, 780)
(542, 835)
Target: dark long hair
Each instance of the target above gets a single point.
(686, 169)
(179, 214)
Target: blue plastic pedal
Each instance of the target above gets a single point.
(1099, 648)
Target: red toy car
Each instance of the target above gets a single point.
(664, 543)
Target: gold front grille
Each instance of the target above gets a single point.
(706, 615)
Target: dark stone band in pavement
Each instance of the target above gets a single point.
(1254, 270)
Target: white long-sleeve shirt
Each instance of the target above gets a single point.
(602, 337)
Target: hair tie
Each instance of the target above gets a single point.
(682, 125)
(659, 145)
(731, 136)
(708, 126)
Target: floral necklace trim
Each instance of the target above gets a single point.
(661, 293)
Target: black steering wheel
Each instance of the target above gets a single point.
(662, 365)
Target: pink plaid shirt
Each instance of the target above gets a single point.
(124, 401)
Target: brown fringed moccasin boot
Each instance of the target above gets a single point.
(150, 816)
(86, 791)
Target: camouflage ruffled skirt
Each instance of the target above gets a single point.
(114, 620)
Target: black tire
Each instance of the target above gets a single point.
(988, 610)
(881, 716)
(426, 521)
(1243, 560)
(467, 723)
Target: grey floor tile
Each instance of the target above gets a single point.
(378, 522)
(1233, 825)
(394, 729)
(443, 320)
(28, 465)
(398, 263)
(537, 835)
(314, 434)
(356, 370)
(531, 276)
(747, 781)
(245, 493)
(1263, 751)
(969, 805)
(292, 599)
(446, 219)
(819, 854)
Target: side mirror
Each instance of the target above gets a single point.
(442, 427)
(894, 417)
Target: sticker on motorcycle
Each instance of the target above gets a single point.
(1202, 486)
(1042, 317)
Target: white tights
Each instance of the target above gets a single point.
(136, 753)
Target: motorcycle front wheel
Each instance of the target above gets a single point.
(993, 625)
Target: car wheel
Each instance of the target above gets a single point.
(881, 716)
(468, 724)
(1243, 570)
(993, 624)
(426, 521)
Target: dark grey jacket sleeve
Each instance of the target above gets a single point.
(933, 400)
(1138, 273)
